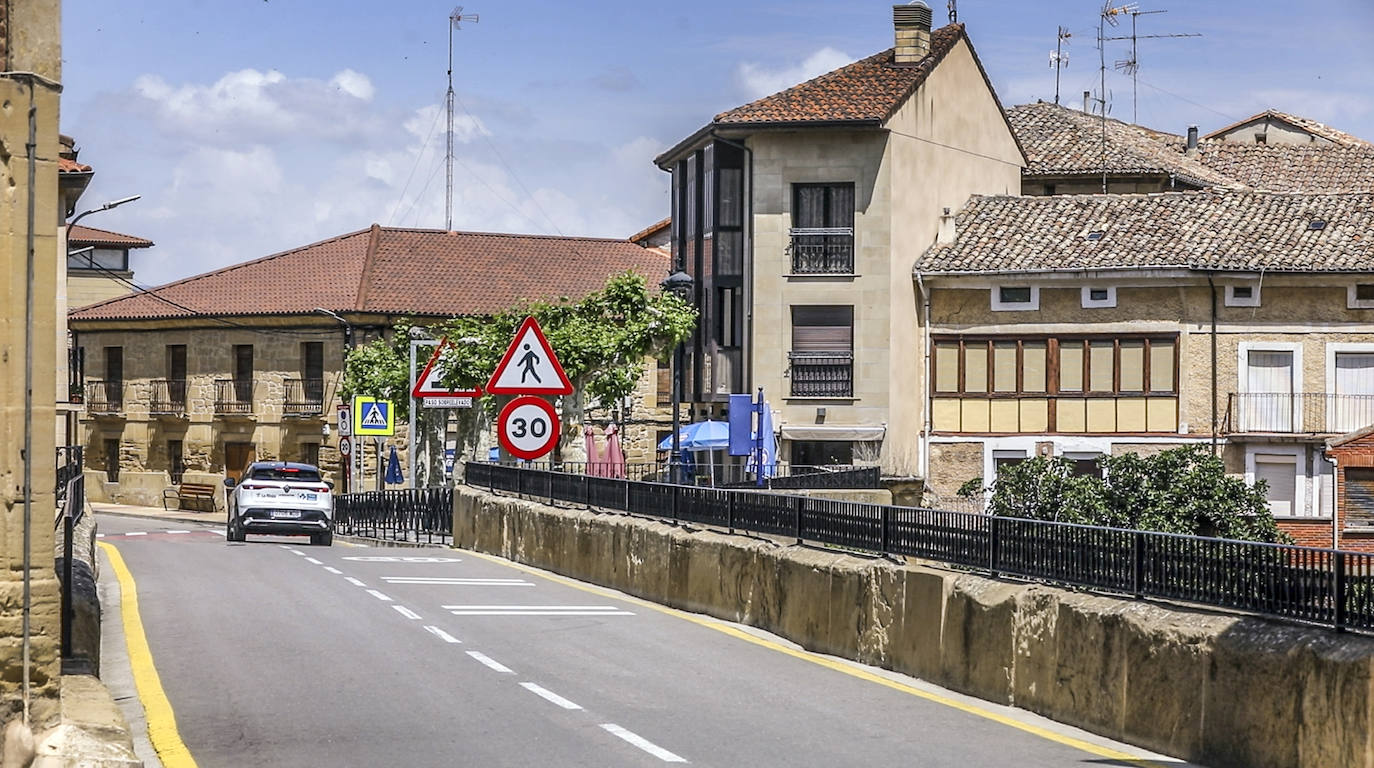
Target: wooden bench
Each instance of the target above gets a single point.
(201, 496)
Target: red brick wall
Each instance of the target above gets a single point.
(1356, 453)
(1307, 533)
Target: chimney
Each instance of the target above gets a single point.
(1087, 95)
(946, 232)
(911, 23)
(1192, 141)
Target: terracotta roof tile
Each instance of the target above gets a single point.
(652, 229)
(68, 165)
(83, 235)
(1211, 229)
(870, 89)
(1309, 168)
(399, 271)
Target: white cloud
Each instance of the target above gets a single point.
(758, 80)
(354, 84)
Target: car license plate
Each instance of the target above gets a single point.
(285, 513)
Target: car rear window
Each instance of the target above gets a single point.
(287, 473)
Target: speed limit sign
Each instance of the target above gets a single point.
(345, 446)
(527, 427)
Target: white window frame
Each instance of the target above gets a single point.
(1233, 301)
(1300, 475)
(1243, 362)
(1015, 306)
(1090, 303)
(1351, 302)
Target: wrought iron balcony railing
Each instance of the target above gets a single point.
(304, 397)
(822, 250)
(233, 396)
(169, 397)
(1298, 413)
(822, 374)
(104, 396)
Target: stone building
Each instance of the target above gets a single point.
(30, 623)
(1102, 324)
(1274, 127)
(195, 379)
(800, 215)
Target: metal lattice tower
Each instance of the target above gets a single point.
(455, 21)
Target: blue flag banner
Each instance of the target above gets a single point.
(741, 425)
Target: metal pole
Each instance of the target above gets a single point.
(675, 461)
(758, 441)
(31, 147)
(410, 432)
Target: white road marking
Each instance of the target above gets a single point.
(100, 535)
(643, 743)
(406, 612)
(137, 533)
(442, 635)
(284, 546)
(464, 582)
(379, 595)
(178, 531)
(313, 561)
(490, 662)
(355, 582)
(334, 571)
(221, 533)
(548, 695)
(387, 559)
(296, 552)
(536, 610)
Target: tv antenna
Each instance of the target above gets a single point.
(1131, 65)
(455, 21)
(1108, 15)
(953, 6)
(1059, 59)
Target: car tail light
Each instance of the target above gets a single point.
(321, 489)
(251, 487)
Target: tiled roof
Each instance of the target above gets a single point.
(1309, 168)
(67, 165)
(1208, 230)
(1305, 123)
(400, 271)
(869, 90)
(1062, 141)
(83, 235)
(651, 230)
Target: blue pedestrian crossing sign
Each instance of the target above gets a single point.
(373, 417)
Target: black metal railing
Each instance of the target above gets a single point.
(1322, 586)
(1297, 412)
(71, 504)
(738, 475)
(168, 397)
(104, 396)
(411, 514)
(233, 396)
(822, 250)
(822, 374)
(303, 396)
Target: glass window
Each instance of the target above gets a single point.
(1364, 292)
(1009, 294)
(1100, 359)
(946, 366)
(1133, 365)
(302, 474)
(176, 462)
(1034, 356)
(1070, 366)
(976, 367)
(1004, 366)
(1161, 366)
(820, 453)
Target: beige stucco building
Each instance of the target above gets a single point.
(800, 216)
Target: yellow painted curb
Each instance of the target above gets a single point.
(162, 722)
(829, 663)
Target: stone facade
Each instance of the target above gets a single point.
(34, 45)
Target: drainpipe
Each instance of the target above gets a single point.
(925, 366)
(1212, 286)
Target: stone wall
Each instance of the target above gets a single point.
(1220, 689)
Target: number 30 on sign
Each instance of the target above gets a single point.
(527, 427)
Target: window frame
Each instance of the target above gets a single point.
(1089, 302)
(998, 305)
(1352, 297)
(1053, 344)
(1253, 300)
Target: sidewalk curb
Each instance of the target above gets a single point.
(365, 540)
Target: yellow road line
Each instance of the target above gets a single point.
(828, 663)
(162, 722)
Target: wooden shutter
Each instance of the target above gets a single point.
(1358, 497)
(826, 330)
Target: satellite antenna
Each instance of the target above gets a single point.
(455, 21)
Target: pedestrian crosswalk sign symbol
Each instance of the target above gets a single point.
(373, 417)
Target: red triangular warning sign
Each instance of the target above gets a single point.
(430, 381)
(529, 366)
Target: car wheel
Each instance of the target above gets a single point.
(325, 539)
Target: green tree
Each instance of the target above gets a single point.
(1184, 490)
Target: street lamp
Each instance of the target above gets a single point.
(98, 209)
(679, 283)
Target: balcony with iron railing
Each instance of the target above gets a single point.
(233, 397)
(822, 250)
(303, 397)
(104, 396)
(168, 397)
(822, 374)
(1297, 413)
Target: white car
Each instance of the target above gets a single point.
(282, 498)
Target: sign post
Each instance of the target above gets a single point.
(345, 423)
(429, 389)
(528, 426)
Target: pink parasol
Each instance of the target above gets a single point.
(593, 456)
(615, 457)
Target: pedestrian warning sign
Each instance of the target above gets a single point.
(529, 366)
(373, 417)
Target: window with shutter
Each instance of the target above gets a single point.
(1280, 472)
(822, 351)
(1357, 492)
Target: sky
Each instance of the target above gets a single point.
(255, 126)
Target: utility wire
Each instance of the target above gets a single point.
(424, 147)
(954, 148)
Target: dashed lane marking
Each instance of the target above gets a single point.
(333, 570)
(355, 582)
(406, 612)
(379, 595)
(643, 743)
(491, 663)
(550, 696)
(137, 533)
(441, 634)
(313, 561)
(536, 610)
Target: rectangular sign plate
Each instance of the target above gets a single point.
(446, 402)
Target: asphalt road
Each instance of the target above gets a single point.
(278, 653)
